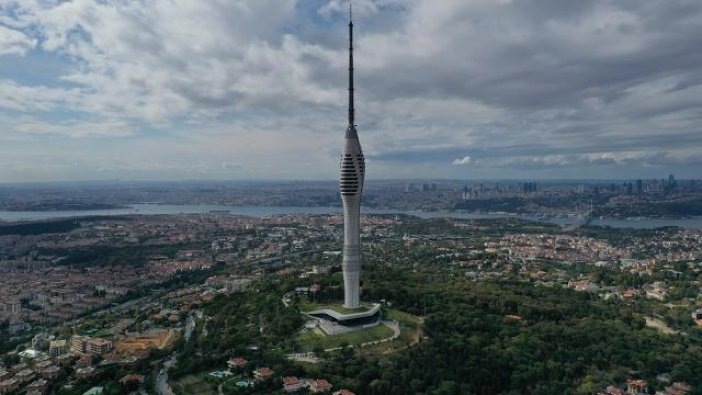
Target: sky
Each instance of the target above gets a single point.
(256, 89)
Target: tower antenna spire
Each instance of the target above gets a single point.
(351, 108)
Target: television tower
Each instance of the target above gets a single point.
(352, 170)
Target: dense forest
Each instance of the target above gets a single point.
(38, 228)
(103, 255)
(564, 342)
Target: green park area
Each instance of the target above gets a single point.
(314, 340)
(408, 324)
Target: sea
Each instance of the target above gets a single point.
(694, 223)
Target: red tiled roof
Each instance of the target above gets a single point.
(637, 383)
(263, 371)
(131, 378)
(238, 361)
(321, 383)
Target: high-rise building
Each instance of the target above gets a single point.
(352, 169)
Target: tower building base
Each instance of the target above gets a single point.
(337, 320)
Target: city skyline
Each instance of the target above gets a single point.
(251, 89)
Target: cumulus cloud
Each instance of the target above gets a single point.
(466, 160)
(360, 7)
(19, 97)
(77, 129)
(510, 85)
(13, 42)
(164, 59)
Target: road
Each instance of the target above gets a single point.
(189, 326)
(219, 387)
(162, 387)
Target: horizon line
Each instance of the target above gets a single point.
(331, 180)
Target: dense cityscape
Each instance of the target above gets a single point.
(214, 303)
(667, 198)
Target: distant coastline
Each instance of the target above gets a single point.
(692, 222)
(63, 206)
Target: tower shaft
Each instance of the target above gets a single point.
(352, 171)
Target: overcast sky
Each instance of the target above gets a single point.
(255, 89)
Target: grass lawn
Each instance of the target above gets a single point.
(309, 340)
(410, 332)
(400, 316)
(104, 332)
(196, 384)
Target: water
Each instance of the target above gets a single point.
(262, 211)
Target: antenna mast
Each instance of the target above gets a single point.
(351, 109)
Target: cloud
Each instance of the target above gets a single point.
(602, 159)
(154, 61)
(466, 160)
(18, 97)
(232, 165)
(362, 8)
(13, 42)
(75, 129)
(516, 86)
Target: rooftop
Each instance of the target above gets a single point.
(341, 313)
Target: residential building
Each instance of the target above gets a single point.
(319, 386)
(676, 389)
(38, 387)
(262, 374)
(237, 363)
(64, 359)
(40, 366)
(85, 373)
(51, 373)
(99, 346)
(132, 379)
(612, 390)
(78, 344)
(292, 384)
(636, 387)
(9, 385)
(57, 347)
(25, 376)
(18, 367)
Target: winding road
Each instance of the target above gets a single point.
(162, 387)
